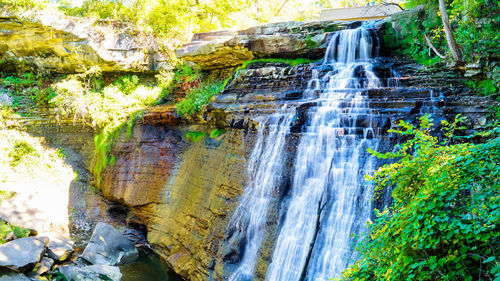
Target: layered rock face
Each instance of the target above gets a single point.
(183, 182)
(58, 43)
(185, 191)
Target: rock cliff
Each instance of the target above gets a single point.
(54, 42)
(182, 177)
(185, 191)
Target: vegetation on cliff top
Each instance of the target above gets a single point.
(443, 222)
(475, 27)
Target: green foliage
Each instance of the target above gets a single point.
(185, 77)
(106, 139)
(486, 87)
(476, 24)
(194, 136)
(105, 109)
(6, 228)
(30, 85)
(176, 19)
(23, 4)
(128, 83)
(443, 223)
(310, 43)
(186, 73)
(215, 133)
(197, 97)
(6, 195)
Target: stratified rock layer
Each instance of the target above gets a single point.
(225, 49)
(184, 189)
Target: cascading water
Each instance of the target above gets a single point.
(328, 201)
(264, 171)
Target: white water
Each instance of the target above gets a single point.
(265, 168)
(329, 201)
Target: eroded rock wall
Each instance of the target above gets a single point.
(54, 42)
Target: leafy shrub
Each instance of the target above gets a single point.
(105, 109)
(443, 223)
(198, 97)
(486, 87)
(33, 86)
(128, 83)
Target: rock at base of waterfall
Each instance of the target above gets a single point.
(22, 254)
(108, 246)
(91, 273)
(60, 249)
(9, 275)
(42, 267)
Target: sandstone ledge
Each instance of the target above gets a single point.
(226, 49)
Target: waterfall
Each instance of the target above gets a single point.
(329, 201)
(265, 168)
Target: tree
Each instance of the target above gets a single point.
(452, 43)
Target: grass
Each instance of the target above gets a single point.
(23, 158)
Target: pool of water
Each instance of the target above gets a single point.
(148, 267)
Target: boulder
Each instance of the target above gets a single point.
(5, 99)
(22, 254)
(60, 249)
(109, 246)
(91, 273)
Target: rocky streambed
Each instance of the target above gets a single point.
(109, 255)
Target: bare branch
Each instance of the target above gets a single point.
(428, 40)
(392, 4)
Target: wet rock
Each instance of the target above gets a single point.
(91, 273)
(22, 254)
(42, 267)
(60, 249)
(108, 246)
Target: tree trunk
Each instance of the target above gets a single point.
(452, 43)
